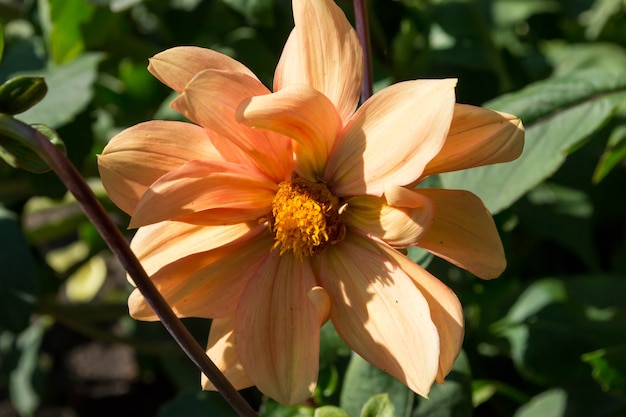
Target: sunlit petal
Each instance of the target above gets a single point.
(159, 244)
(380, 313)
(139, 155)
(221, 349)
(445, 311)
(277, 329)
(301, 113)
(392, 137)
(464, 233)
(399, 218)
(206, 284)
(478, 137)
(211, 100)
(175, 67)
(323, 52)
(199, 186)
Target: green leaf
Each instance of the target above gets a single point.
(70, 91)
(18, 287)
(551, 403)
(609, 367)
(330, 411)
(197, 404)
(452, 399)
(558, 114)
(613, 155)
(65, 19)
(378, 406)
(363, 380)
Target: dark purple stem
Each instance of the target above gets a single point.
(119, 246)
(363, 31)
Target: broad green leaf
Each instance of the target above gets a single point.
(23, 391)
(609, 368)
(599, 15)
(378, 406)
(551, 403)
(558, 114)
(613, 155)
(363, 380)
(83, 285)
(18, 286)
(330, 411)
(197, 404)
(452, 399)
(65, 20)
(70, 91)
(509, 13)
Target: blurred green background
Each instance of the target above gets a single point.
(546, 339)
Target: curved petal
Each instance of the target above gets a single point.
(464, 233)
(175, 67)
(380, 313)
(200, 186)
(445, 311)
(301, 113)
(323, 52)
(277, 329)
(159, 244)
(211, 100)
(478, 137)
(207, 284)
(221, 349)
(399, 218)
(391, 137)
(139, 155)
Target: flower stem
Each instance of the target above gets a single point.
(363, 31)
(119, 246)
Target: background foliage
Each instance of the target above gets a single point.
(546, 339)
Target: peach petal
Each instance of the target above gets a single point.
(445, 311)
(323, 52)
(199, 186)
(399, 218)
(464, 233)
(478, 137)
(139, 155)
(380, 313)
(159, 244)
(221, 349)
(175, 67)
(301, 113)
(277, 329)
(391, 137)
(211, 100)
(207, 284)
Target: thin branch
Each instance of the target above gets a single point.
(363, 31)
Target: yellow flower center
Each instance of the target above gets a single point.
(305, 217)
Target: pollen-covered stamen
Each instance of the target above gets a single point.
(305, 217)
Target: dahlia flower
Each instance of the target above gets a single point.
(273, 212)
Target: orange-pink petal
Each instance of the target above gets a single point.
(445, 311)
(222, 351)
(464, 233)
(197, 187)
(175, 67)
(211, 100)
(207, 284)
(399, 218)
(323, 52)
(277, 329)
(159, 244)
(301, 113)
(380, 313)
(477, 137)
(139, 155)
(391, 137)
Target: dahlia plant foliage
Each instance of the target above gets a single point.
(273, 212)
